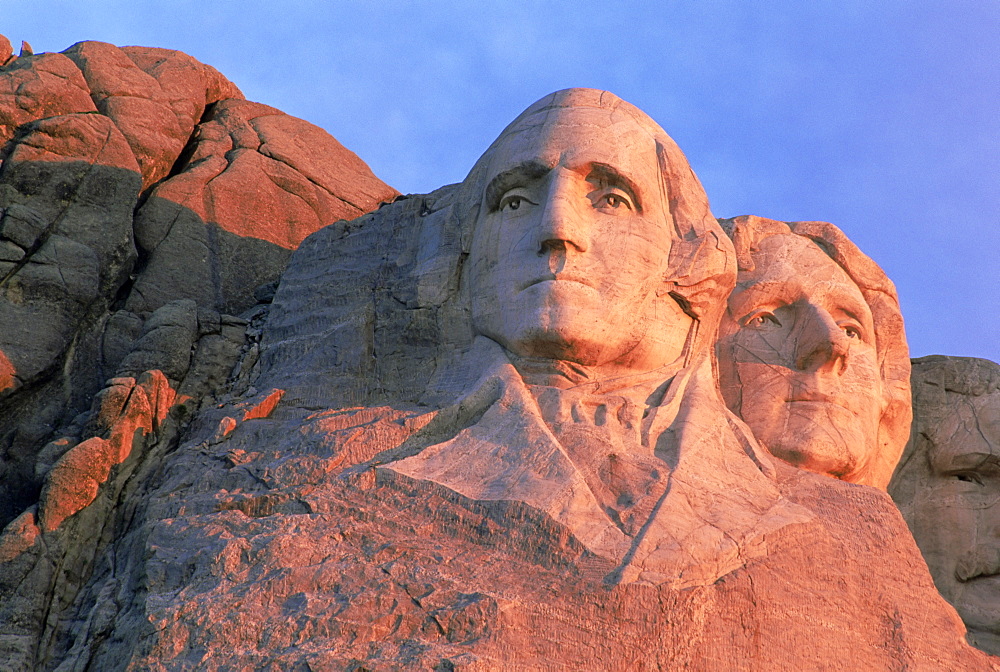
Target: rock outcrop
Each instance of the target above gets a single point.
(146, 213)
(132, 178)
(475, 429)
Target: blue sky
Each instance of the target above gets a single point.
(881, 117)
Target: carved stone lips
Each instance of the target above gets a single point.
(820, 399)
(577, 278)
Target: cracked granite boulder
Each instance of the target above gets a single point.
(130, 179)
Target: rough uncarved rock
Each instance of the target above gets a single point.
(6, 51)
(68, 188)
(40, 86)
(96, 380)
(155, 97)
(208, 230)
(84, 137)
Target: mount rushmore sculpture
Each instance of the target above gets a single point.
(478, 429)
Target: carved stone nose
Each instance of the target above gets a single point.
(822, 345)
(552, 245)
(564, 223)
(555, 250)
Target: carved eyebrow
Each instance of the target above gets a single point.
(767, 292)
(614, 177)
(513, 177)
(772, 292)
(950, 457)
(849, 304)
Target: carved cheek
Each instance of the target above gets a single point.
(758, 347)
(631, 266)
(765, 392)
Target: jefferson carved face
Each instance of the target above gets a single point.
(572, 242)
(798, 360)
(954, 512)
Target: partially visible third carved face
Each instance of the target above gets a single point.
(954, 508)
(571, 246)
(798, 360)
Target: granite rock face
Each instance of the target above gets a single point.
(112, 201)
(253, 183)
(396, 475)
(947, 486)
(475, 429)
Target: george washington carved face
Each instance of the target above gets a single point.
(572, 244)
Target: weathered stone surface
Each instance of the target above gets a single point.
(385, 486)
(476, 429)
(166, 341)
(84, 136)
(6, 51)
(812, 351)
(208, 230)
(132, 421)
(155, 97)
(123, 408)
(947, 486)
(68, 187)
(332, 571)
(40, 86)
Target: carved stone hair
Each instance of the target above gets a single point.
(969, 376)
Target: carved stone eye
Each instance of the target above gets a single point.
(852, 331)
(613, 200)
(762, 321)
(969, 477)
(512, 202)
